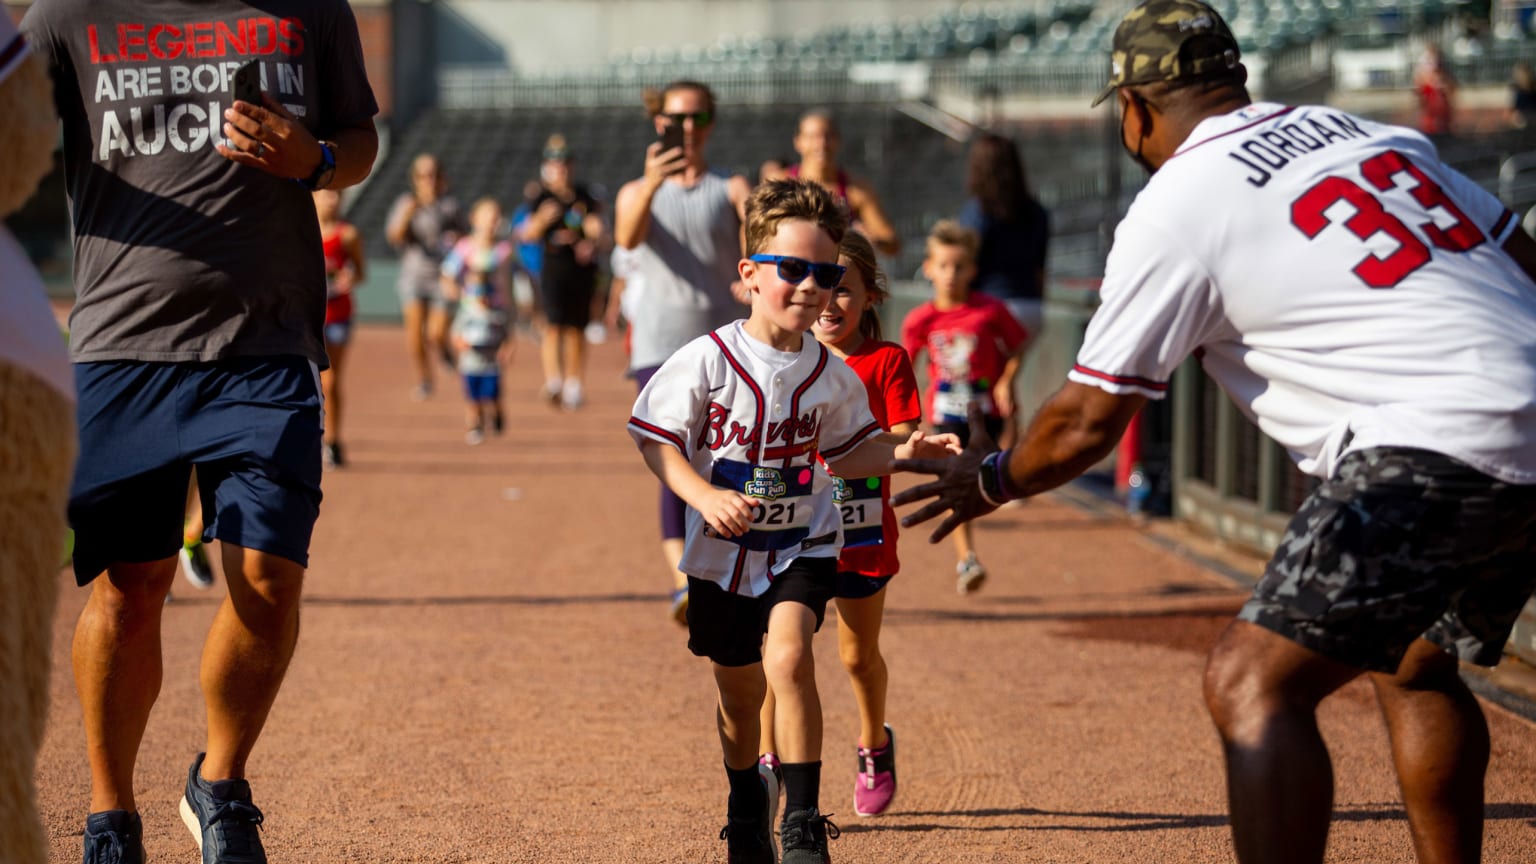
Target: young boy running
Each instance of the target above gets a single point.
(733, 424)
(975, 348)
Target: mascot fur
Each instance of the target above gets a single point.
(37, 448)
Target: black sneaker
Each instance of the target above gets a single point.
(330, 454)
(804, 837)
(748, 841)
(114, 837)
(195, 564)
(222, 818)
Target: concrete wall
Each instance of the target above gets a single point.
(552, 35)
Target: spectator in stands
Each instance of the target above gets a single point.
(1522, 96)
(683, 220)
(772, 169)
(1014, 230)
(818, 141)
(423, 224)
(566, 221)
(1435, 89)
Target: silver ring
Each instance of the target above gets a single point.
(261, 149)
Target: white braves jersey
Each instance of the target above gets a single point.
(754, 419)
(1340, 283)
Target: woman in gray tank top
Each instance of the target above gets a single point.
(683, 222)
(423, 224)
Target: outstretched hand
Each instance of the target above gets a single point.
(921, 445)
(956, 489)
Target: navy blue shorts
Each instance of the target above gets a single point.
(251, 426)
(857, 586)
(482, 388)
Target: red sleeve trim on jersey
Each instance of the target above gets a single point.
(16, 47)
(1128, 380)
(1499, 226)
(669, 437)
(841, 450)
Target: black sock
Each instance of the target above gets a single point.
(802, 786)
(748, 797)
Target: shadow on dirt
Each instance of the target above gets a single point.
(1126, 821)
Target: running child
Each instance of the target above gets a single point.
(733, 423)
(975, 348)
(342, 246)
(477, 272)
(850, 327)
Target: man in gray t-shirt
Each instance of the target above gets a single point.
(193, 135)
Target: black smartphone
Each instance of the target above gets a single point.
(671, 138)
(247, 83)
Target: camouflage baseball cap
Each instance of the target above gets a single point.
(1154, 43)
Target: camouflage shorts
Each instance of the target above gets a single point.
(1401, 544)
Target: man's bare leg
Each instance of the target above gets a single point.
(1440, 746)
(117, 665)
(1262, 690)
(247, 654)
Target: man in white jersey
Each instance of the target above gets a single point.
(1373, 311)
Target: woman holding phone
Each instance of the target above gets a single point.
(683, 222)
(423, 224)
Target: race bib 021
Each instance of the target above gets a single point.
(781, 518)
(863, 509)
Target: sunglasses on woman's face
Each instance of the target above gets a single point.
(794, 270)
(700, 118)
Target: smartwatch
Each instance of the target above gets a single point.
(325, 171)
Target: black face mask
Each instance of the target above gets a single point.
(1136, 154)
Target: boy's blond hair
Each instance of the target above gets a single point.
(948, 232)
(784, 200)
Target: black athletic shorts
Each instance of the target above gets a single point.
(994, 428)
(728, 628)
(1400, 544)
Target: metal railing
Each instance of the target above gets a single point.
(495, 87)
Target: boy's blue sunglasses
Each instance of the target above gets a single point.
(794, 270)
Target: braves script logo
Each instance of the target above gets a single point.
(787, 439)
(148, 78)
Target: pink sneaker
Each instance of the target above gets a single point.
(770, 762)
(875, 787)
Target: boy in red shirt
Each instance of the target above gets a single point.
(975, 349)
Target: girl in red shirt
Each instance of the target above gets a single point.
(850, 328)
(343, 250)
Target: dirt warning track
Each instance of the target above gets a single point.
(486, 673)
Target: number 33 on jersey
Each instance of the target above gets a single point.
(1344, 286)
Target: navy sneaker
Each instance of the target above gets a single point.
(804, 837)
(222, 818)
(114, 837)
